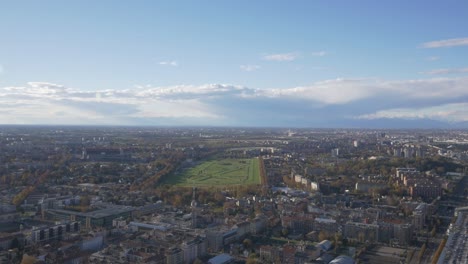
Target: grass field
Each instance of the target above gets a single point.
(219, 173)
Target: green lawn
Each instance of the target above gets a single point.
(219, 173)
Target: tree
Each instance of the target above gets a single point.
(421, 252)
(85, 200)
(323, 235)
(247, 243)
(21, 196)
(15, 243)
(439, 250)
(361, 237)
(337, 241)
(344, 242)
(177, 200)
(219, 198)
(252, 259)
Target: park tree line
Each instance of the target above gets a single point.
(356, 167)
(182, 196)
(38, 180)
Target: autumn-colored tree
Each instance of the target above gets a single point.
(247, 243)
(337, 241)
(85, 200)
(439, 250)
(323, 235)
(21, 196)
(252, 259)
(421, 252)
(177, 200)
(361, 237)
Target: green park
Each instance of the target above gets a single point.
(223, 172)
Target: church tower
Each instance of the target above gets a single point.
(194, 206)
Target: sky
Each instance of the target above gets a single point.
(358, 64)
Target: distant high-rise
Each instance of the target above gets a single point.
(356, 143)
(335, 152)
(408, 152)
(419, 152)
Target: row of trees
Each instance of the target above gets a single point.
(439, 250)
(387, 166)
(165, 168)
(21, 196)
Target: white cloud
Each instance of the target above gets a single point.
(186, 108)
(281, 57)
(455, 112)
(423, 89)
(249, 68)
(447, 71)
(446, 43)
(40, 102)
(169, 63)
(342, 91)
(319, 68)
(319, 53)
(192, 91)
(335, 91)
(338, 91)
(433, 58)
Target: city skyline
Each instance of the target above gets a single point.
(296, 64)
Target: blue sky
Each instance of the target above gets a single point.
(235, 63)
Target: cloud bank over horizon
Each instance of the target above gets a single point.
(234, 63)
(364, 102)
